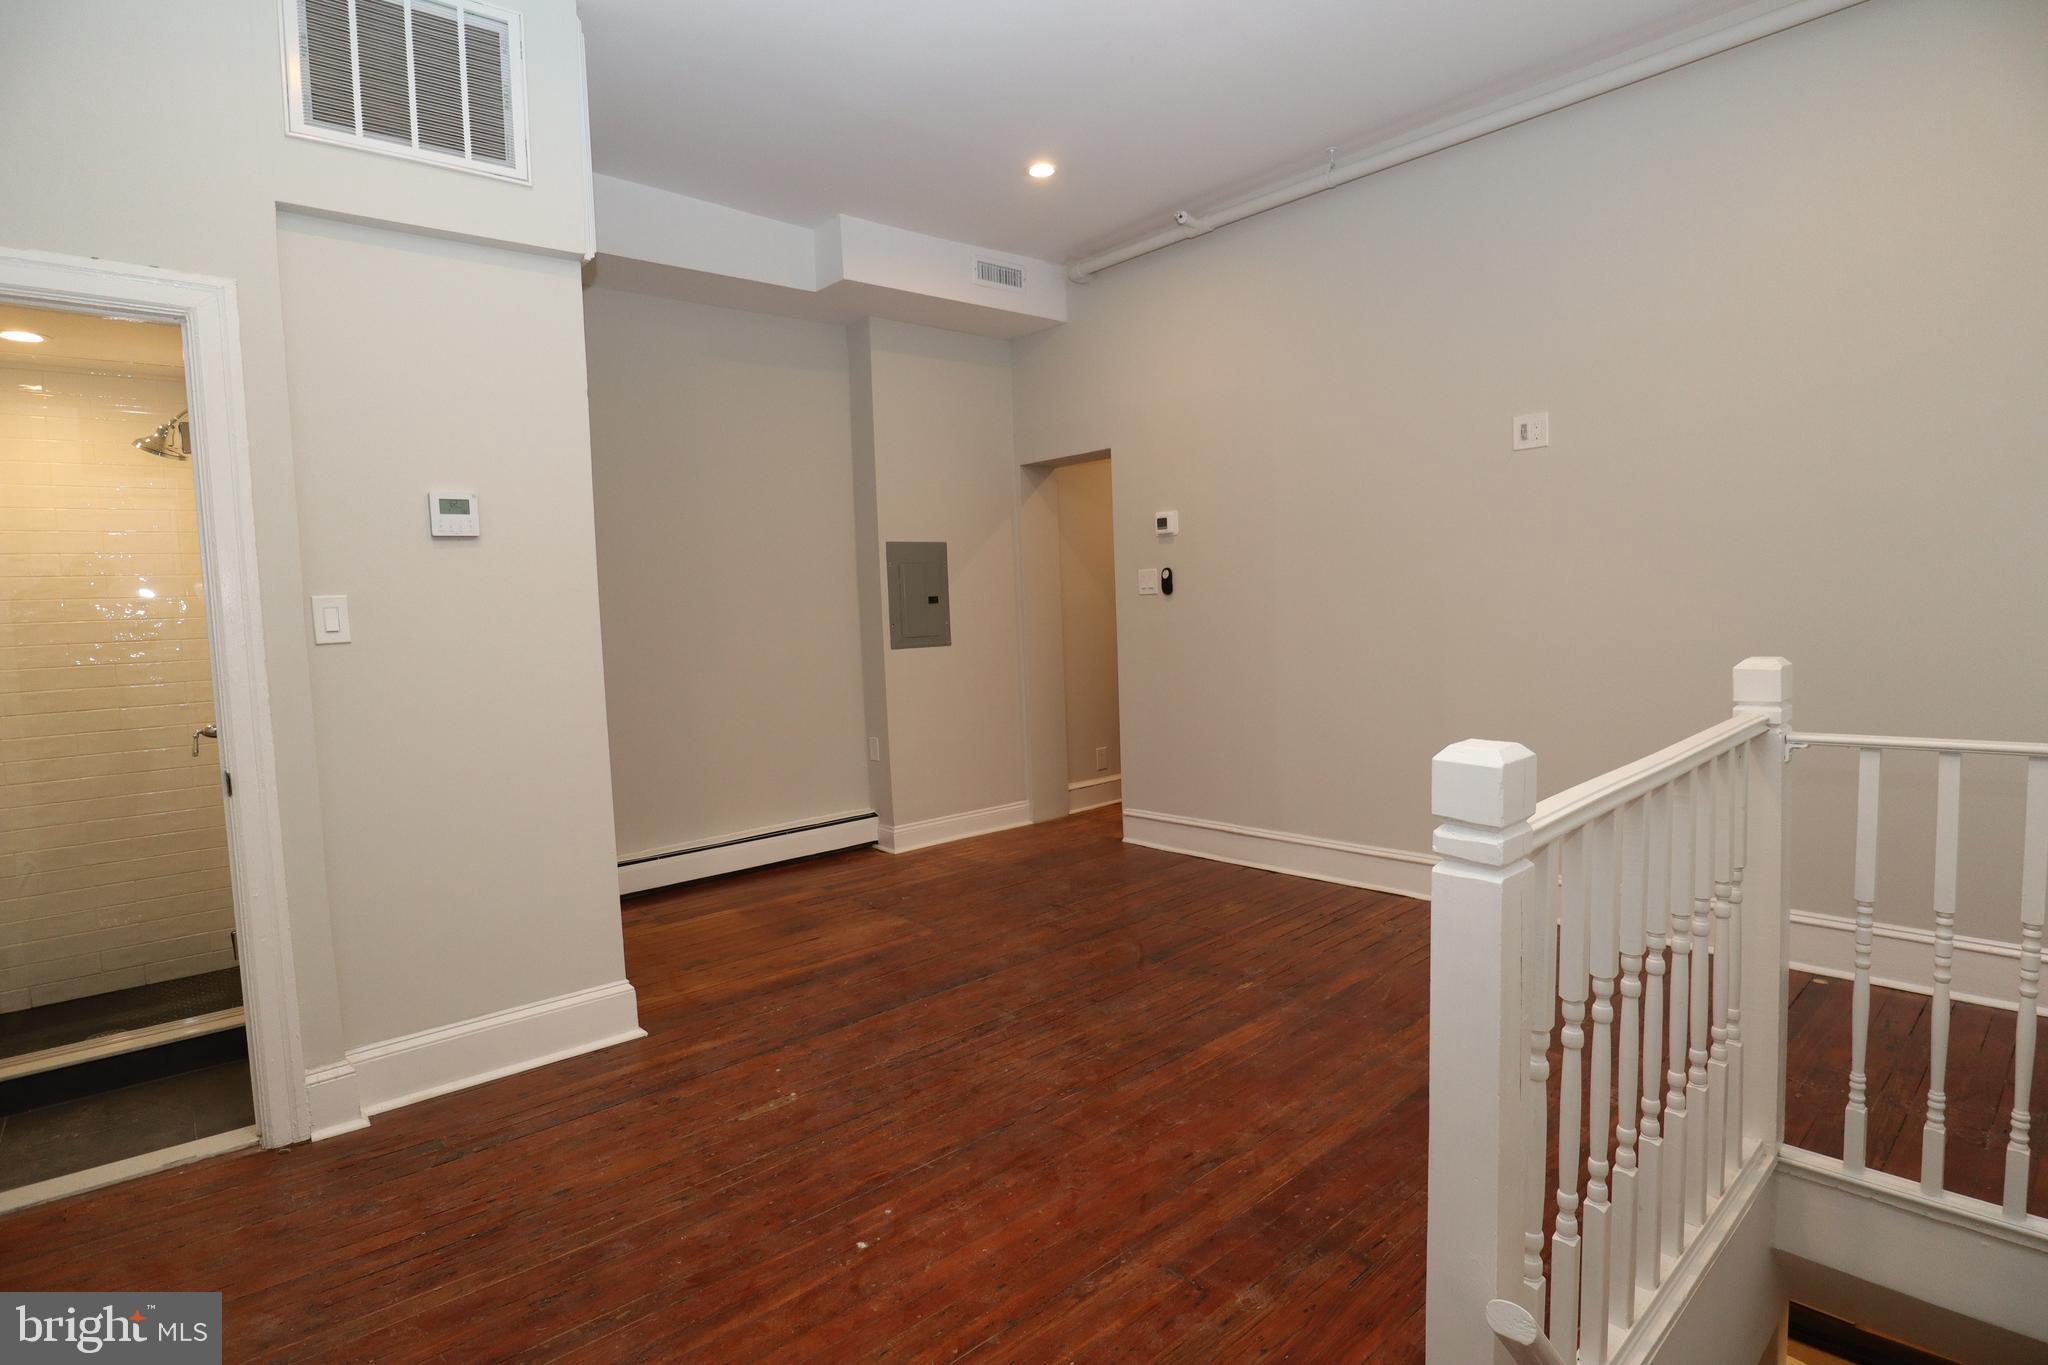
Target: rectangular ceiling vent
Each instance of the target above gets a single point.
(433, 80)
(1000, 274)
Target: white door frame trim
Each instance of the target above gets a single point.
(206, 309)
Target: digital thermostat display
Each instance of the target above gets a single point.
(453, 514)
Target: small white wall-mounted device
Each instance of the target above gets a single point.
(330, 620)
(451, 513)
(1532, 431)
(1148, 582)
(1166, 523)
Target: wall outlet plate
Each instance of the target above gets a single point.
(1532, 431)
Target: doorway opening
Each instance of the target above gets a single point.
(1088, 634)
(1074, 730)
(125, 1032)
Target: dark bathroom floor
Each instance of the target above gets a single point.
(72, 1120)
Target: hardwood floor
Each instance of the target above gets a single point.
(1037, 1096)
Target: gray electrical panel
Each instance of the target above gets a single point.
(920, 605)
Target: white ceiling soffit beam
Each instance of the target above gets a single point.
(1576, 90)
(654, 241)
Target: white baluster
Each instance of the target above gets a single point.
(1699, 996)
(1621, 1236)
(1738, 854)
(1715, 1159)
(1856, 1117)
(1539, 1012)
(1601, 926)
(1679, 899)
(2033, 911)
(1480, 889)
(1656, 896)
(1948, 788)
(1571, 995)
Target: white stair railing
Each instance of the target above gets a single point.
(2033, 909)
(1640, 915)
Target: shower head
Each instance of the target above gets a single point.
(171, 441)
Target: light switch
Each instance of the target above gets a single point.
(1532, 431)
(330, 620)
(1148, 582)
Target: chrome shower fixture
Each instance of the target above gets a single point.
(171, 441)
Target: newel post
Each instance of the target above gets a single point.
(1481, 894)
(1763, 687)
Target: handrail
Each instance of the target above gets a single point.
(1802, 738)
(1518, 1330)
(1574, 807)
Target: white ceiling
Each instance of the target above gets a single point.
(923, 113)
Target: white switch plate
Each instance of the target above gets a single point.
(1102, 758)
(874, 748)
(1532, 431)
(330, 620)
(1148, 582)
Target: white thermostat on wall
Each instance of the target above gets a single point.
(1166, 523)
(453, 514)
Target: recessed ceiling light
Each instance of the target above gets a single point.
(1042, 170)
(34, 338)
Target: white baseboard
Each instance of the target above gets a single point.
(419, 1066)
(1987, 972)
(1299, 855)
(336, 1101)
(1093, 792)
(944, 829)
(750, 848)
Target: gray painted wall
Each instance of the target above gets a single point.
(933, 431)
(722, 452)
(1788, 308)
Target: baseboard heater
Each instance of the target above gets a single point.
(742, 851)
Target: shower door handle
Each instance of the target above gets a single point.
(203, 732)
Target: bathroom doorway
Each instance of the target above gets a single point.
(123, 1027)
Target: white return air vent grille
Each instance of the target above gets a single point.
(436, 80)
(1000, 274)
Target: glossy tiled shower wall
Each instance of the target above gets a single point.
(113, 855)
